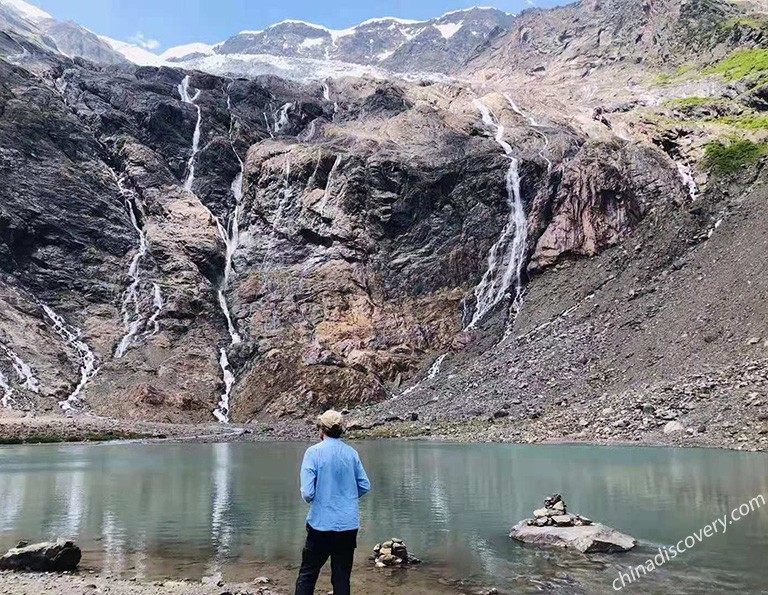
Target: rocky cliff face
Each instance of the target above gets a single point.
(177, 245)
(366, 214)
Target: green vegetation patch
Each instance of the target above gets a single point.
(683, 72)
(443, 429)
(746, 121)
(741, 64)
(728, 159)
(745, 22)
(107, 436)
(686, 101)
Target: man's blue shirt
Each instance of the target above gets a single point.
(332, 482)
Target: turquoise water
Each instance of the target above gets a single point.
(197, 510)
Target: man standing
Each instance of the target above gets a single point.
(332, 482)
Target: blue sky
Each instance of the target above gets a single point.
(161, 24)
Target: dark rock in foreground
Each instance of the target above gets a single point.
(588, 539)
(42, 557)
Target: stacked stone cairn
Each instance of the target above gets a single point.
(392, 553)
(555, 514)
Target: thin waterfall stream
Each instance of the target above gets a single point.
(72, 337)
(25, 377)
(507, 256)
(133, 317)
(230, 235)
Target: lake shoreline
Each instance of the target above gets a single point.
(58, 429)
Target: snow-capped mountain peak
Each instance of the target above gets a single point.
(292, 48)
(26, 10)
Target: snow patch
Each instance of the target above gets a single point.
(384, 55)
(389, 20)
(133, 53)
(450, 29)
(312, 42)
(466, 10)
(185, 50)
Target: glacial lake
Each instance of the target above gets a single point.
(233, 510)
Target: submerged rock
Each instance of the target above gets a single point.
(42, 557)
(588, 539)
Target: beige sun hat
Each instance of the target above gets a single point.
(331, 419)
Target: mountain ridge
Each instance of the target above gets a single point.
(293, 48)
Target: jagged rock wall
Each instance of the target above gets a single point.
(367, 216)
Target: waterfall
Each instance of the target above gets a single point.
(71, 337)
(269, 126)
(536, 126)
(23, 370)
(434, 370)
(507, 256)
(132, 321)
(222, 411)
(17, 58)
(25, 377)
(310, 134)
(230, 235)
(686, 175)
(5, 400)
(327, 96)
(328, 185)
(281, 119)
(715, 227)
(157, 303)
(187, 98)
(282, 205)
(432, 373)
(520, 113)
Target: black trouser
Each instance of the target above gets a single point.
(339, 546)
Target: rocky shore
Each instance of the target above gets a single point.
(679, 413)
(279, 582)
(605, 421)
(88, 584)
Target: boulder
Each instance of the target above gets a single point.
(588, 539)
(673, 426)
(42, 557)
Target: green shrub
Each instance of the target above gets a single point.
(746, 121)
(741, 64)
(728, 159)
(685, 101)
(751, 22)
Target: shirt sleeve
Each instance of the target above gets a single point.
(363, 484)
(308, 477)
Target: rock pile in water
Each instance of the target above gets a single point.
(392, 553)
(553, 526)
(555, 514)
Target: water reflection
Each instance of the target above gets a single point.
(208, 510)
(221, 530)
